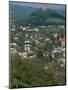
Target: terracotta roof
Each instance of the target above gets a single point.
(62, 39)
(61, 62)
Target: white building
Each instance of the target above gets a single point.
(13, 28)
(27, 46)
(55, 35)
(60, 26)
(13, 50)
(13, 44)
(15, 38)
(24, 54)
(36, 29)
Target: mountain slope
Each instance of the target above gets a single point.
(44, 17)
(20, 12)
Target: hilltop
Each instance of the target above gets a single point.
(45, 17)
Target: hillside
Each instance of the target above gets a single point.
(20, 12)
(45, 17)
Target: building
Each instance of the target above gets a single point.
(13, 48)
(13, 44)
(55, 35)
(15, 38)
(47, 39)
(13, 28)
(36, 29)
(62, 41)
(61, 26)
(27, 45)
(61, 62)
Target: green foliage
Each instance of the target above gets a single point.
(33, 44)
(28, 73)
(40, 53)
(45, 17)
(49, 46)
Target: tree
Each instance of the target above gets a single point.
(49, 46)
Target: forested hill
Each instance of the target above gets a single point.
(36, 16)
(20, 12)
(45, 16)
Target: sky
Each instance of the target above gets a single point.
(39, 5)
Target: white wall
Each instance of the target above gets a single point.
(4, 40)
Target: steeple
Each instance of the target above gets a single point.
(27, 43)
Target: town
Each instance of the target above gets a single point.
(37, 45)
(39, 40)
(45, 44)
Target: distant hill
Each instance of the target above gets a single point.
(36, 16)
(45, 17)
(20, 12)
(61, 12)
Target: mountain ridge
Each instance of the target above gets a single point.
(18, 13)
(43, 17)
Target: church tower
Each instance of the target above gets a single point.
(27, 43)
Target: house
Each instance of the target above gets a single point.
(55, 35)
(51, 26)
(21, 27)
(13, 50)
(37, 42)
(29, 30)
(26, 35)
(47, 39)
(43, 26)
(61, 63)
(61, 26)
(46, 66)
(62, 41)
(24, 54)
(13, 44)
(13, 28)
(15, 38)
(36, 29)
